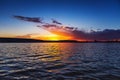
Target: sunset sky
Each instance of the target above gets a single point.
(86, 15)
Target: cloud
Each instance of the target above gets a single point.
(29, 19)
(107, 34)
(57, 28)
(24, 36)
(56, 22)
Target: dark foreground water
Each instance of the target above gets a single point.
(60, 61)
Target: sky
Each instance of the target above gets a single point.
(86, 15)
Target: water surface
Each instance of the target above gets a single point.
(59, 61)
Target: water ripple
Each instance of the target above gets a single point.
(59, 61)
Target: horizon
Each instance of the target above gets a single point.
(12, 40)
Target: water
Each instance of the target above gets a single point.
(59, 61)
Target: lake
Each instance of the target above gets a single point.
(59, 61)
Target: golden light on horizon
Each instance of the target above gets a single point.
(55, 37)
(52, 37)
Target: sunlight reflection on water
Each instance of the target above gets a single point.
(48, 61)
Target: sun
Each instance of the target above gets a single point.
(58, 37)
(54, 37)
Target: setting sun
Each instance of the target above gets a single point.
(54, 37)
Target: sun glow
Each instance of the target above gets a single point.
(54, 37)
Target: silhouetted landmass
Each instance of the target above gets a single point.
(10, 40)
(24, 40)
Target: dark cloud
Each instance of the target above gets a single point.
(56, 22)
(107, 34)
(29, 19)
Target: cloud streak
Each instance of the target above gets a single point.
(56, 22)
(29, 19)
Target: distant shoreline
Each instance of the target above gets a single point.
(24, 40)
